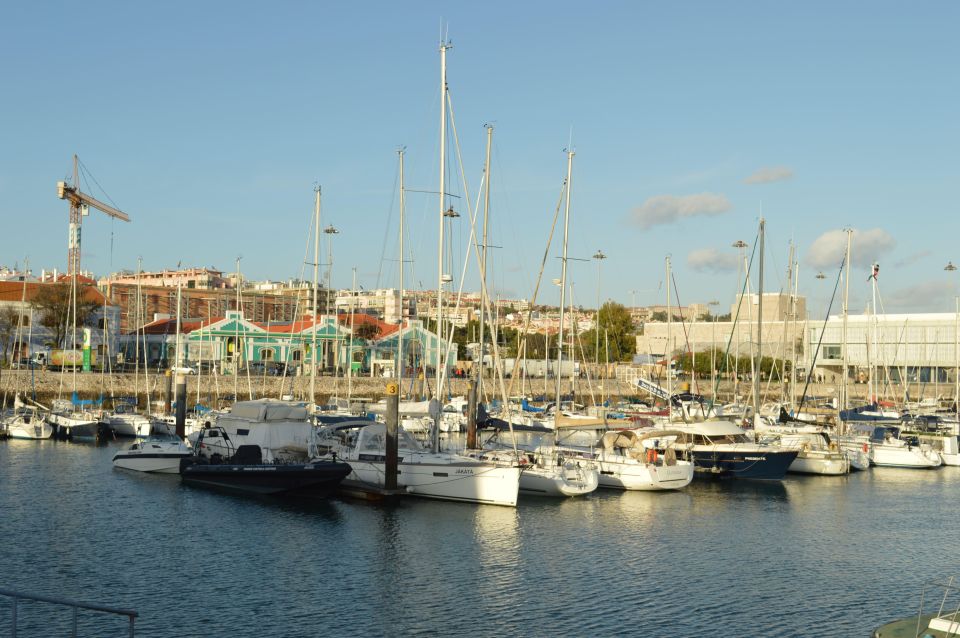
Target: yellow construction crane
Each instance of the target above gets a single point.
(80, 203)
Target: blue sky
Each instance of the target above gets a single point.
(210, 123)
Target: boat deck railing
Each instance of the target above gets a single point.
(16, 597)
(949, 587)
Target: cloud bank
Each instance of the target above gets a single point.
(769, 174)
(668, 209)
(712, 260)
(930, 296)
(869, 246)
(914, 258)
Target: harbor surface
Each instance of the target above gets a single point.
(817, 556)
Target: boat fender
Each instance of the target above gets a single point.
(864, 448)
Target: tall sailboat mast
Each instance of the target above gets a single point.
(563, 277)
(443, 184)
(846, 300)
(483, 257)
(668, 346)
(316, 279)
(757, 368)
(403, 208)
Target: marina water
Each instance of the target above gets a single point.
(809, 556)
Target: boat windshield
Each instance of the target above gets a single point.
(719, 439)
(374, 440)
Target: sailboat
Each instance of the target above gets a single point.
(124, 419)
(429, 473)
(27, 421)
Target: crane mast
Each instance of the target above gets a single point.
(79, 203)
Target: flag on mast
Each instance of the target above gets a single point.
(876, 271)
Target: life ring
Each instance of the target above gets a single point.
(651, 456)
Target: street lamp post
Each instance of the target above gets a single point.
(599, 256)
(329, 231)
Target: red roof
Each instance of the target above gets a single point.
(169, 326)
(14, 290)
(360, 319)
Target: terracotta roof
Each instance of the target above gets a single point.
(169, 326)
(359, 319)
(13, 290)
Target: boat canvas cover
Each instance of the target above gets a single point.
(406, 408)
(269, 410)
(273, 425)
(574, 422)
(620, 439)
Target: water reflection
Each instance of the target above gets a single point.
(817, 556)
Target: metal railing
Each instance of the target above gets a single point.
(18, 596)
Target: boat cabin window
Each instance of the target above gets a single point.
(243, 431)
(723, 439)
(373, 443)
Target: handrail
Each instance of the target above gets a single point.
(131, 614)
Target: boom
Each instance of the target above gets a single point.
(76, 198)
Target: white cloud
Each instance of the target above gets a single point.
(769, 174)
(914, 258)
(869, 246)
(712, 260)
(667, 209)
(929, 296)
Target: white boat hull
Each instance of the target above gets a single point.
(571, 479)
(623, 473)
(820, 463)
(134, 425)
(35, 429)
(458, 481)
(903, 456)
(159, 457)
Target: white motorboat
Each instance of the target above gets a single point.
(159, 454)
(946, 445)
(27, 423)
(721, 448)
(281, 429)
(630, 460)
(816, 454)
(441, 475)
(886, 448)
(127, 423)
(938, 432)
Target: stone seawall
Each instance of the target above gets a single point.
(219, 389)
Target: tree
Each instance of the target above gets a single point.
(367, 331)
(9, 319)
(615, 326)
(53, 303)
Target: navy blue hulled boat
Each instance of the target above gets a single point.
(246, 473)
(721, 449)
